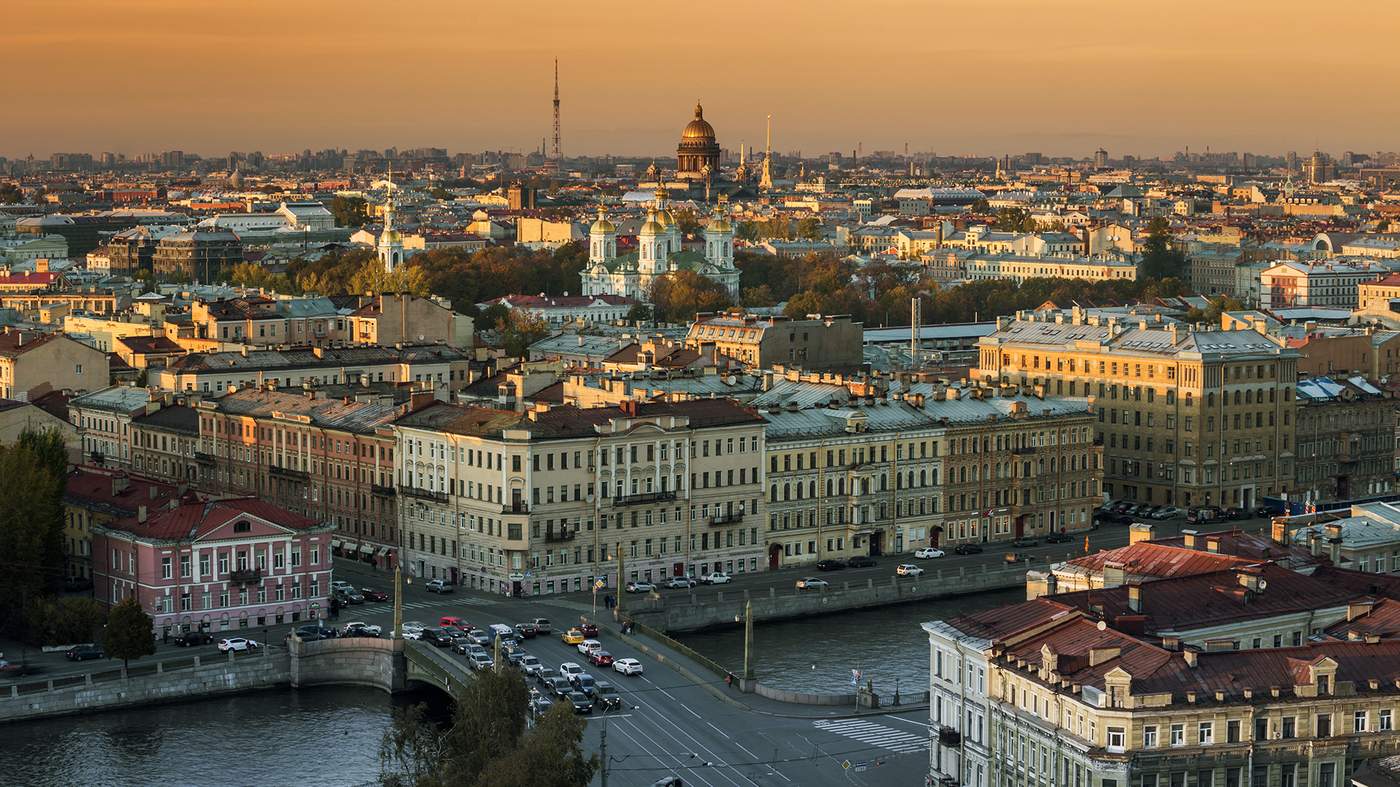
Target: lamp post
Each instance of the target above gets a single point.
(398, 601)
(748, 640)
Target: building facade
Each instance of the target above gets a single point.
(553, 499)
(1346, 440)
(818, 342)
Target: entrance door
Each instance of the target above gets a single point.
(1021, 525)
(935, 534)
(877, 543)
(677, 569)
(775, 554)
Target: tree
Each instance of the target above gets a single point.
(518, 331)
(1014, 220)
(65, 620)
(488, 744)
(130, 634)
(350, 211)
(251, 274)
(677, 296)
(32, 475)
(639, 313)
(10, 194)
(810, 228)
(373, 277)
(1159, 259)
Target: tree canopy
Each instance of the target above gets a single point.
(32, 474)
(350, 211)
(1159, 259)
(488, 743)
(678, 295)
(129, 633)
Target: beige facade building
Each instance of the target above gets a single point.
(951, 466)
(1187, 417)
(552, 499)
(32, 364)
(818, 342)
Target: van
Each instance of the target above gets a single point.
(502, 630)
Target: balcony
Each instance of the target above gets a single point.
(422, 494)
(381, 491)
(555, 536)
(731, 518)
(643, 498)
(246, 575)
(516, 507)
(204, 459)
(288, 473)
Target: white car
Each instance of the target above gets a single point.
(569, 669)
(413, 630)
(812, 583)
(236, 644)
(927, 553)
(341, 586)
(588, 646)
(715, 578)
(908, 570)
(361, 628)
(628, 666)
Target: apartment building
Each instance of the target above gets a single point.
(551, 499)
(817, 342)
(433, 366)
(1321, 284)
(1364, 537)
(1375, 296)
(97, 495)
(1346, 440)
(1019, 268)
(164, 440)
(354, 319)
(315, 453)
(1187, 416)
(103, 420)
(954, 465)
(32, 364)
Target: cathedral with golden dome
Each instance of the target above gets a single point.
(659, 252)
(697, 156)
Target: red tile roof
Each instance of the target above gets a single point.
(193, 518)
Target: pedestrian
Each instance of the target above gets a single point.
(165, 635)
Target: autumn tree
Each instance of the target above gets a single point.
(64, 620)
(350, 211)
(1160, 260)
(518, 330)
(677, 296)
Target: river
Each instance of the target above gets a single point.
(817, 654)
(331, 735)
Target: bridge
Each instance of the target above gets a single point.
(390, 665)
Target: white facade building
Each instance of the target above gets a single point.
(659, 252)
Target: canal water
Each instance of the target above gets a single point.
(331, 735)
(321, 736)
(817, 654)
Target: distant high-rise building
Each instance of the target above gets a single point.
(1101, 159)
(1320, 168)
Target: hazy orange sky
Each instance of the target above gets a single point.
(973, 76)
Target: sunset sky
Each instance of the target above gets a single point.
(951, 76)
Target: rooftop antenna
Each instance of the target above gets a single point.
(555, 153)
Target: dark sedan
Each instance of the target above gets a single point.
(186, 639)
(371, 594)
(437, 637)
(860, 561)
(830, 565)
(967, 549)
(527, 630)
(581, 702)
(84, 652)
(1058, 538)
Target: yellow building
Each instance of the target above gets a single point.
(1188, 416)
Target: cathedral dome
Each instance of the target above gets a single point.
(698, 130)
(652, 226)
(602, 226)
(719, 224)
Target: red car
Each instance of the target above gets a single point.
(601, 658)
(589, 629)
(374, 595)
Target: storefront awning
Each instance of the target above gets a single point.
(335, 543)
(367, 549)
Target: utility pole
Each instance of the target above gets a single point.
(398, 601)
(748, 640)
(603, 749)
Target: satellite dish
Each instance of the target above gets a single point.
(1102, 625)
(1263, 583)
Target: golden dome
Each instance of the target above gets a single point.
(651, 227)
(698, 129)
(665, 218)
(719, 224)
(602, 226)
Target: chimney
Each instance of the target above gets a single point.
(1140, 531)
(119, 484)
(1213, 544)
(1135, 597)
(1190, 657)
(1114, 574)
(1189, 539)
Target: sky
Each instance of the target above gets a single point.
(984, 77)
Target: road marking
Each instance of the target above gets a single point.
(719, 763)
(908, 721)
(717, 729)
(684, 707)
(874, 734)
(660, 760)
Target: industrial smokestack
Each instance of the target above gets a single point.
(914, 315)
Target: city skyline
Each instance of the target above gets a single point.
(153, 74)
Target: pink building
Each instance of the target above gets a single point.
(215, 565)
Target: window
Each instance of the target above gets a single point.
(1324, 725)
(1116, 738)
(1205, 733)
(1232, 731)
(1360, 720)
(1290, 727)
(165, 568)
(1178, 733)
(1386, 722)
(1149, 737)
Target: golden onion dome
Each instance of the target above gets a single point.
(602, 226)
(651, 226)
(720, 224)
(698, 129)
(665, 219)
(390, 236)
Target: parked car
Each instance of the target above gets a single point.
(1167, 512)
(1202, 515)
(1016, 557)
(812, 583)
(640, 587)
(545, 675)
(589, 645)
(600, 658)
(606, 695)
(1057, 538)
(860, 561)
(453, 620)
(907, 570)
(682, 583)
(716, 578)
(314, 632)
(628, 667)
(581, 702)
(928, 553)
(515, 657)
(1234, 513)
(540, 704)
(1024, 541)
(187, 639)
(371, 594)
(967, 549)
(237, 644)
(830, 565)
(572, 637)
(466, 647)
(479, 637)
(526, 630)
(85, 652)
(362, 629)
(341, 586)
(588, 629)
(438, 586)
(11, 669)
(413, 629)
(542, 625)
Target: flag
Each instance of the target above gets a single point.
(855, 677)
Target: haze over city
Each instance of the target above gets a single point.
(948, 77)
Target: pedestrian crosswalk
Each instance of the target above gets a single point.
(429, 604)
(873, 734)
